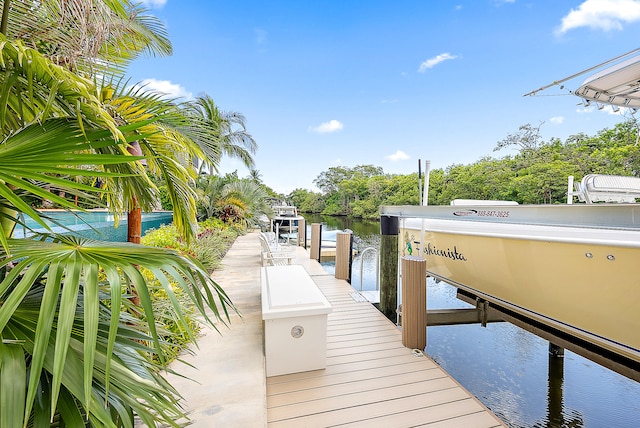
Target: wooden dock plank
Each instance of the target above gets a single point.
(354, 386)
(337, 336)
(346, 316)
(480, 419)
(366, 348)
(363, 342)
(444, 386)
(280, 384)
(360, 323)
(361, 356)
(326, 415)
(444, 415)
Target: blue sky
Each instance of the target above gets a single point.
(345, 83)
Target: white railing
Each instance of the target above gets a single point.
(362, 254)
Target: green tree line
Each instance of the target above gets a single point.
(536, 174)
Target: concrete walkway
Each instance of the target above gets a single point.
(225, 385)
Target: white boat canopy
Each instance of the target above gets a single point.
(617, 85)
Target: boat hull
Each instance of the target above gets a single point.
(582, 281)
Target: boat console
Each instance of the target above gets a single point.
(607, 188)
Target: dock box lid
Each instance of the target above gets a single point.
(289, 291)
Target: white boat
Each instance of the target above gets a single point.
(286, 220)
(571, 267)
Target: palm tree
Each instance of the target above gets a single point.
(255, 176)
(249, 199)
(228, 134)
(94, 38)
(167, 151)
(238, 201)
(70, 353)
(208, 190)
(34, 91)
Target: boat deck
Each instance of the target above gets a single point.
(371, 379)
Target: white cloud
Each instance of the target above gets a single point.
(432, 62)
(261, 35)
(327, 127)
(165, 88)
(618, 111)
(153, 4)
(593, 108)
(398, 156)
(557, 120)
(601, 14)
(588, 109)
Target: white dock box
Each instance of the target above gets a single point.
(294, 311)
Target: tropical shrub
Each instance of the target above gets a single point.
(174, 338)
(210, 245)
(213, 239)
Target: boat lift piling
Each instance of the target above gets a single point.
(389, 231)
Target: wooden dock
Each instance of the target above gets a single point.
(371, 379)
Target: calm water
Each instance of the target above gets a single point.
(507, 368)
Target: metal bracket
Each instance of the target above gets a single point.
(483, 311)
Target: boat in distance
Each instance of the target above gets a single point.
(285, 221)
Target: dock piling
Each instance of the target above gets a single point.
(344, 255)
(316, 241)
(414, 302)
(389, 231)
(302, 233)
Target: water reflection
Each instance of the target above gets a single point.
(510, 370)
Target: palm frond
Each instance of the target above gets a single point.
(67, 333)
(31, 87)
(90, 37)
(167, 150)
(222, 133)
(38, 153)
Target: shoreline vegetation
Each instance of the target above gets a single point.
(536, 174)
